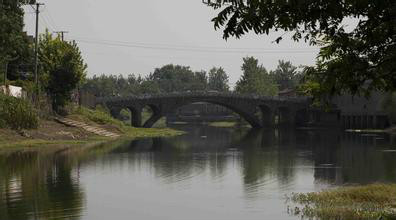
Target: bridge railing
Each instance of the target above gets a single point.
(200, 94)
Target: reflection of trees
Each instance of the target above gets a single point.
(364, 162)
(34, 185)
(38, 186)
(268, 157)
(263, 154)
(359, 159)
(177, 158)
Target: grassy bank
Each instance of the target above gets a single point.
(52, 134)
(34, 143)
(376, 201)
(223, 124)
(103, 119)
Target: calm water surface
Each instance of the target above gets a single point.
(209, 173)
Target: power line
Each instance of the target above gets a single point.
(173, 46)
(45, 23)
(62, 33)
(224, 50)
(50, 18)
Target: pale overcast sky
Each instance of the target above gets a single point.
(123, 37)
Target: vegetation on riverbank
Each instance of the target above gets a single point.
(16, 113)
(51, 133)
(373, 201)
(33, 143)
(103, 118)
(223, 124)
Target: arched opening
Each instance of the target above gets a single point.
(152, 117)
(148, 115)
(128, 115)
(125, 116)
(284, 116)
(203, 113)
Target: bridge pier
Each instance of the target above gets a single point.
(136, 117)
(268, 119)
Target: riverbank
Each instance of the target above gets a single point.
(53, 134)
(223, 124)
(375, 201)
(390, 130)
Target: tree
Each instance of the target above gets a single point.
(218, 80)
(357, 61)
(255, 79)
(62, 68)
(285, 75)
(14, 43)
(176, 78)
(111, 85)
(150, 87)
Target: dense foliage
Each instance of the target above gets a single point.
(175, 78)
(286, 75)
(255, 79)
(16, 113)
(62, 68)
(112, 85)
(218, 80)
(15, 47)
(169, 78)
(355, 61)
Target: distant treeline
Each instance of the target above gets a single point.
(169, 78)
(176, 78)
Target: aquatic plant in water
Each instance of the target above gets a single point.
(375, 201)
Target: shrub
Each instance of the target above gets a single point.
(17, 113)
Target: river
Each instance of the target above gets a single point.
(208, 173)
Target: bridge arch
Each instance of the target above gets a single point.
(156, 115)
(246, 106)
(244, 113)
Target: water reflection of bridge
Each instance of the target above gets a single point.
(334, 158)
(48, 186)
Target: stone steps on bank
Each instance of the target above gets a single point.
(89, 128)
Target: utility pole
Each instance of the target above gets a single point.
(36, 48)
(62, 33)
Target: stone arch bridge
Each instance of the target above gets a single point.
(258, 111)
